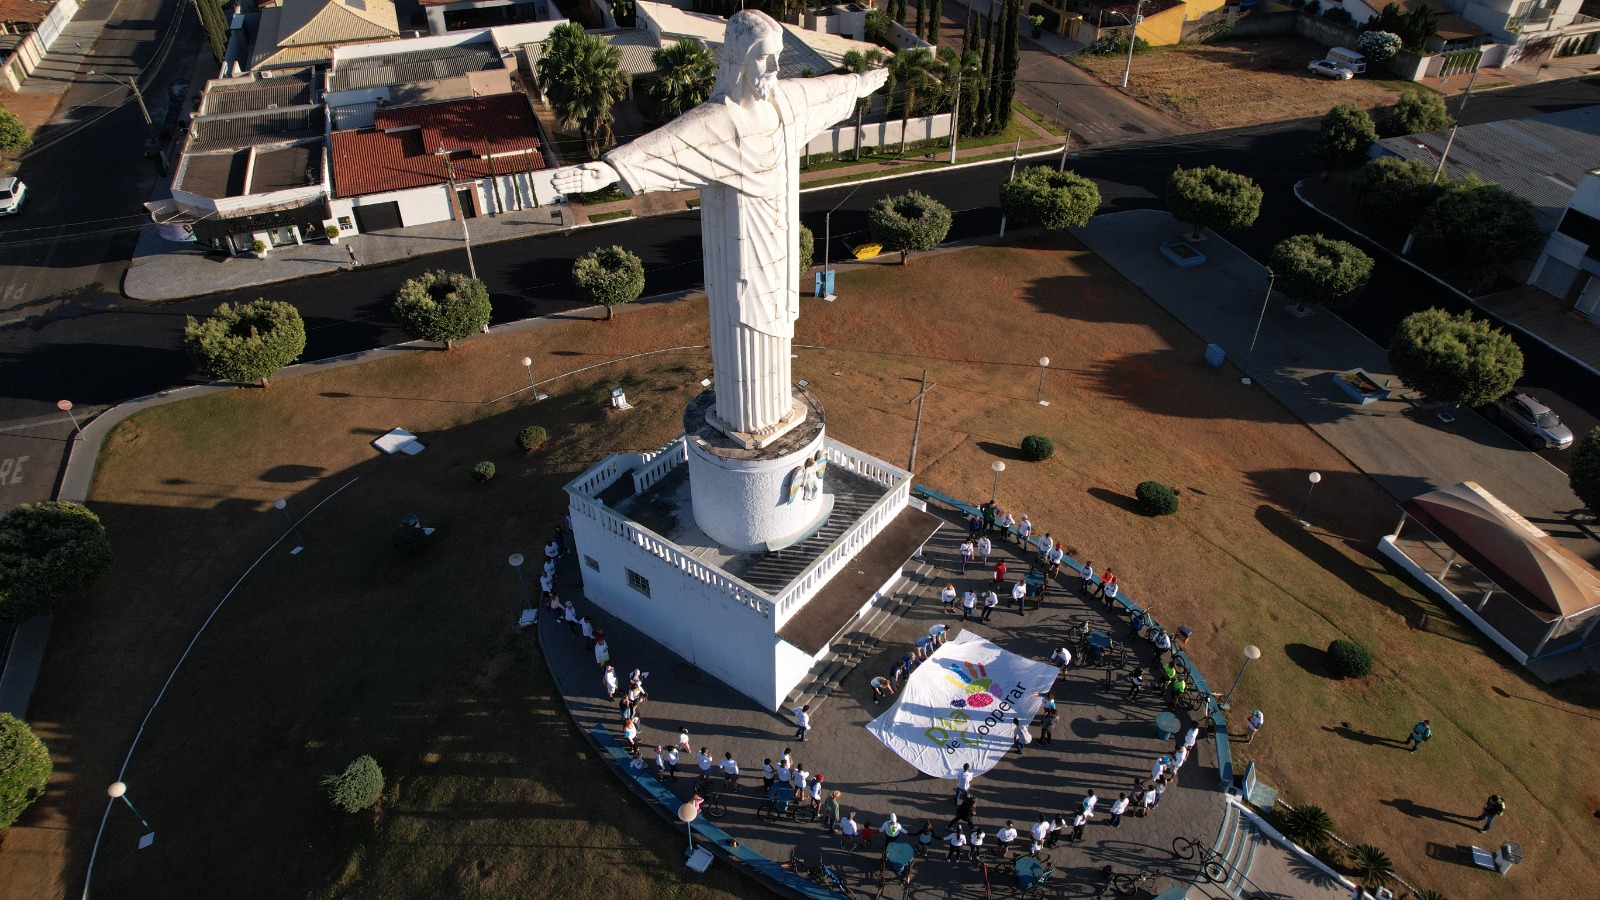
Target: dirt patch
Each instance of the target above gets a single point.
(1243, 81)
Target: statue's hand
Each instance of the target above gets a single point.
(874, 79)
(583, 179)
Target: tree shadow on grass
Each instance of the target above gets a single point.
(1000, 451)
(1328, 558)
(1120, 501)
(1310, 658)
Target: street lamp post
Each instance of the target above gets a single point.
(66, 407)
(1272, 279)
(998, 467)
(466, 235)
(283, 507)
(1251, 653)
(1133, 38)
(515, 560)
(1044, 363)
(687, 814)
(1314, 478)
(133, 85)
(118, 789)
(527, 363)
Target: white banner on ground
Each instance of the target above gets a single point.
(957, 707)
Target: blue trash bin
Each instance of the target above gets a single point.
(1215, 356)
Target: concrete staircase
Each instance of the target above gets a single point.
(863, 637)
(775, 571)
(1238, 841)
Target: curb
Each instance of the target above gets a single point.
(1488, 314)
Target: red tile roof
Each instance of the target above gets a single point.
(379, 159)
(23, 11)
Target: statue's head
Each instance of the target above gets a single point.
(749, 57)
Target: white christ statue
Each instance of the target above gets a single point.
(741, 149)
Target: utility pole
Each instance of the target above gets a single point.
(1015, 155)
(1449, 142)
(916, 430)
(1062, 167)
(1133, 38)
(955, 114)
(455, 200)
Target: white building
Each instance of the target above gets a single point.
(1569, 267)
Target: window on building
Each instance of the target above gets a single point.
(592, 563)
(639, 582)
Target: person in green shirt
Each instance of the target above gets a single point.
(1420, 732)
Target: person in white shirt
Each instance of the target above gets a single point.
(1056, 825)
(705, 763)
(661, 761)
(976, 842)
(957, 842)
(963, 782)
(1005, 836)
(1045, 543)
(850, 831)
(800, 779)
(892, 829)
(730, 771)
(1078, 821)
(1257, 719)
(1024, 530)
(1164, 641)
(1040, 832)
(571, 617)
(611, 683)
(1006, 524)
(1181, 757)
(985, 547)
(967, 549)
(1089, 803)
(768, 775)
(785, 774)
(1019, 593)
(991, 601)
(1088, 578)
(1019, 734)
(1191, 737)
(1063, 658)
(948, 598)
(802, 723)
(683, 739)
(1117, 809)
(1159, 766)
(672, 762)
(786, 759)
(814, 793)
(969, 606)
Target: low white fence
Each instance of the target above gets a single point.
(842, 139)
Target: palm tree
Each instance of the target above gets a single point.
(916, 73)
(861, 63)
(963, 72)
(685, 73)
(1308, 825)
(582, 75)
(1373, 867)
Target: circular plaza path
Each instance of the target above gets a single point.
(1101, 742)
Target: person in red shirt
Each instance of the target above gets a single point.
(1000, 570)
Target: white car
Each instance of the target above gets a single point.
(1329, 69)
(12, 193)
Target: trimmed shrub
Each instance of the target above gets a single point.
(1349, 659)
(1037, 447)
(532, 438)
(1156, 498)
(608, 276)
(51, 553)
(443, 306)
(1307, 825)
(483, 472)
(409, 539)
(1585, 474)
(908, 222)
(358, 787)
(24, 768)
(245, 341)
(807, 252)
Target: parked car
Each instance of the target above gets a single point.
(12, 193)
(1329, 69)
(1530, 421)
(1350, 59)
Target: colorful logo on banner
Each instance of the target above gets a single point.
(975, 693)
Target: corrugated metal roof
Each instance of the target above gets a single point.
(1541, 158)
(406, 68)
(252, 128)
(353, 115)
(288, 89)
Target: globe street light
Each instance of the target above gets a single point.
(118, 789)
(998, 467)
(1314, 478)
(66, 407)
(1044, 363)
(515, 560)
(1251, 652)
(527, 363)
(283, 507)
(687, 813)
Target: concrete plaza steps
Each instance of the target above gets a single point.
(861, 639)
(776, 571)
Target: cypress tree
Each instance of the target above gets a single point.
(215, 25)
(922, 5)
(1009, 59)
(935, 13)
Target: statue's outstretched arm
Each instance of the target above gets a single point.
(583, 179)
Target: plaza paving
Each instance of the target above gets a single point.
(1101, 742)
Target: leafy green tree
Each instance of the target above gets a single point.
(908, 222)
(609, 276)
(685, 73)
(358, 787)
(1454, 359)
(1475, 227)
(443, 306)
(1378, 46)
(582, 76)
(916, 74)
(1041, 196)
(807, 251)
(215, 23)
(24, 768)
(1313, 268)
(1213, 198)
(51, 553)
(1415, 28)
(1394, 190)
(860, 63)
(961, 71)
(1418, 111)
(877, 26)
(1585, 474)
(13, 134)
(246, 342)
(1347, 132)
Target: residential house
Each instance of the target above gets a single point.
(252, 165)
(435, 162)
(467, 15)
(299, 33)
(28, 28)
(1508, 31)
(1569, 266)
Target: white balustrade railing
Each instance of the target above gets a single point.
(843, 549)
(599, 477)
(658, 464)
(869, 467)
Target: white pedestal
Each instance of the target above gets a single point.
(745, 504)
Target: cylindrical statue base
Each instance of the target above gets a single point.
(756, 500)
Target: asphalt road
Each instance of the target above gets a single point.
(100, 356)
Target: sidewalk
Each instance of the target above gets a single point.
(1406, 449)
(170, 270)
(1519, 75)
(38, 103)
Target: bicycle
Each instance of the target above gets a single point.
(794, 808)
(712, 795)
(1127, 885)
(1212, 865)
(800, 867)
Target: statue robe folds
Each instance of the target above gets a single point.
(747, 168)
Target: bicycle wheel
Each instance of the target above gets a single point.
(715, 808)
(804, 813)
(1184, 848)
(1215, 870)
(768, 813)
(1122, 884)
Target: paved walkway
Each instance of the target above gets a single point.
(1519, 75)
(1101, 742)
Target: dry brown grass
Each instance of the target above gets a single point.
(1240, 81)
(347, 649)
